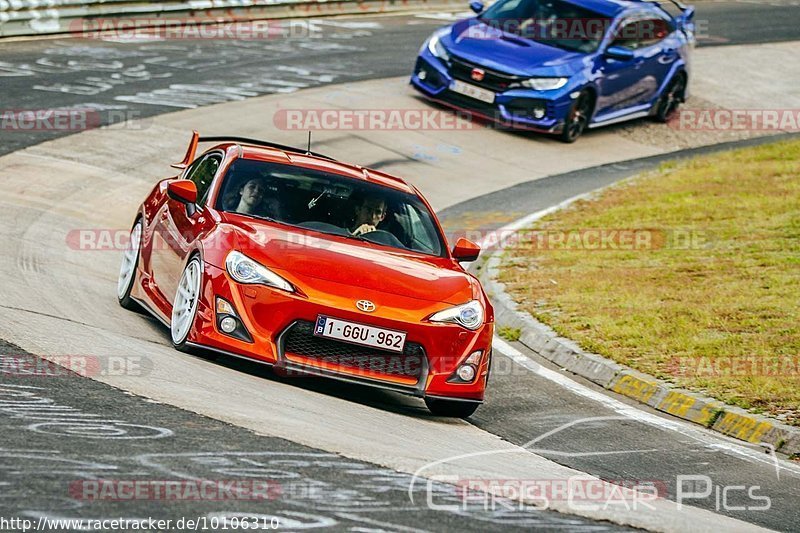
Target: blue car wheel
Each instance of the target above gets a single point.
(578, 117)
(668, 104)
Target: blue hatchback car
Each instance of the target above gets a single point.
(561, 66)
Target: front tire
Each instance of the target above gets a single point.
(184, 306)
(671, 99)
(577, 118)
(127, 270)
(451, 408)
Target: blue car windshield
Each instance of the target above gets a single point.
(552, 22)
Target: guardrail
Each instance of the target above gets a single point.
(41, 17)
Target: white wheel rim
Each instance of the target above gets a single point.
(185, 305)
(127, 269)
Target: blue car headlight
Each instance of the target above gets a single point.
(436, 47)
(541, 84)
(470, 315)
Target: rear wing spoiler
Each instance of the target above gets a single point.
(196, 139)
(684, 21)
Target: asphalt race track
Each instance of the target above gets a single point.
(336, 456)
(129, 80)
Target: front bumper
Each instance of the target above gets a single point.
(280, 323)
(519, 108)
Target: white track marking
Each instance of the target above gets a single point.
(634, 413)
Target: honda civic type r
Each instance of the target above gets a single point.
(561, 66)
(312, 265)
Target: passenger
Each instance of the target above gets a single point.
(252, 199)
(369, 212)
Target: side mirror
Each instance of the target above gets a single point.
(184, 191)
(466, 250)
(476, 6)
(619, 53)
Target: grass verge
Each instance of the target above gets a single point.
(690, 273)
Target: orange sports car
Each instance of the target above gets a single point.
(314, 266)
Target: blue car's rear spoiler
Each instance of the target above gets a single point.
(684, 21)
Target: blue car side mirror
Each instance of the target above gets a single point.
(476, 6)
(619, 53)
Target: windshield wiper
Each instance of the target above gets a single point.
(263, 217)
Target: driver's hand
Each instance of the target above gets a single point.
(364, 228)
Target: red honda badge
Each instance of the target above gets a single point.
(477, 74)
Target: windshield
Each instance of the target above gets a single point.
(329, 203)
(553, 22)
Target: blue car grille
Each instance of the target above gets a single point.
(494, 81)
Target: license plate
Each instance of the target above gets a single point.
(343, 330)
(472, 91)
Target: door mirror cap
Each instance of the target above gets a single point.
(476, 6)
(619, 53)
(184, 191)
(466, 250)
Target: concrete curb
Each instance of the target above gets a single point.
(660, 395)
(78, 16)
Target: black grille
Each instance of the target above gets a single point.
(470, 104)
(494, 81)
(300, 340)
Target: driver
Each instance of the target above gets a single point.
(369, 212)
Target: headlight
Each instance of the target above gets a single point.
(245, 270)
(543, 84)
(469, 315)
(436, 47)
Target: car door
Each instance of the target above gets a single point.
(658, 46)
(178, 226)
(626, 84)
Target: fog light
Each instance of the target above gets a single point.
(228, 324)
(422, 74)
(466, 372)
